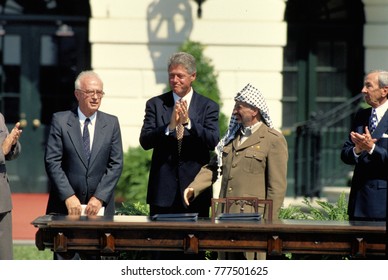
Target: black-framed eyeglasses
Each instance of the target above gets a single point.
(91, 92)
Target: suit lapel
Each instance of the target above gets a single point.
(75, 135)
(99, 135)
(194, 108)
(168, 106)
(381, 127)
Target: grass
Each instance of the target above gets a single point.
(30, 252)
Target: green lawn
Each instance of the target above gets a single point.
(30, 252)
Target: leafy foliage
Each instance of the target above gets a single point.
(132, 185)
(329, 211)
(326, 210)
(292, 212)
(136, 208)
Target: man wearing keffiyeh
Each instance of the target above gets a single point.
(251, 157)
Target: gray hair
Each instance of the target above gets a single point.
(184, 59)
(382, 77)
(83, 75)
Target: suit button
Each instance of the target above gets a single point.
(237, 154)
(234, 165)
(230, 178)
(230, 189)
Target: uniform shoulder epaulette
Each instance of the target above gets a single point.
(274, 131)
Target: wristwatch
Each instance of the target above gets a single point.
(187, 122)
(171, 131)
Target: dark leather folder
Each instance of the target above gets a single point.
(179, 217)
(239, 217)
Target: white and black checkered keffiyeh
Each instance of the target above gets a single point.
(252, 96)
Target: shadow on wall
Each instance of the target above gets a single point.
(169, 24)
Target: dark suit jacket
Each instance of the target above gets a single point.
(167, 175)
(68, 169)
(368, 192)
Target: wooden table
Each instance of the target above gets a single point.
(112, 234)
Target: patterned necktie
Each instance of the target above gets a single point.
(246, 131)
(86, 138)
(373, 121)
(179, 135)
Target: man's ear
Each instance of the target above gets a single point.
(193, 76)
(76, 94)
(256, 113)
(385, 91)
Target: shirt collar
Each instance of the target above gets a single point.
(82, 117)
(380, 111)
(187, 97)
(248, 130)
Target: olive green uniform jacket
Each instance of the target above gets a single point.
(256, 168)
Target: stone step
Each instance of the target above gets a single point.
(332, 193)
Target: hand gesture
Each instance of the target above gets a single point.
(11, 139)
(187, 195)
(180, 114)
(183, 112)
(362, 142)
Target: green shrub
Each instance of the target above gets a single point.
(132, 185)
(326, 210)
(136, 208)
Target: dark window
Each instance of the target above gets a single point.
(323, 69)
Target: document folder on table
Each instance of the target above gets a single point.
(179, 217)
(239, 217)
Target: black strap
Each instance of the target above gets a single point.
(3, 169)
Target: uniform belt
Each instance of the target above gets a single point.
(2, 168)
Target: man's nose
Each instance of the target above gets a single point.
(174, 78)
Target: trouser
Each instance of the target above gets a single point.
(6, 246)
